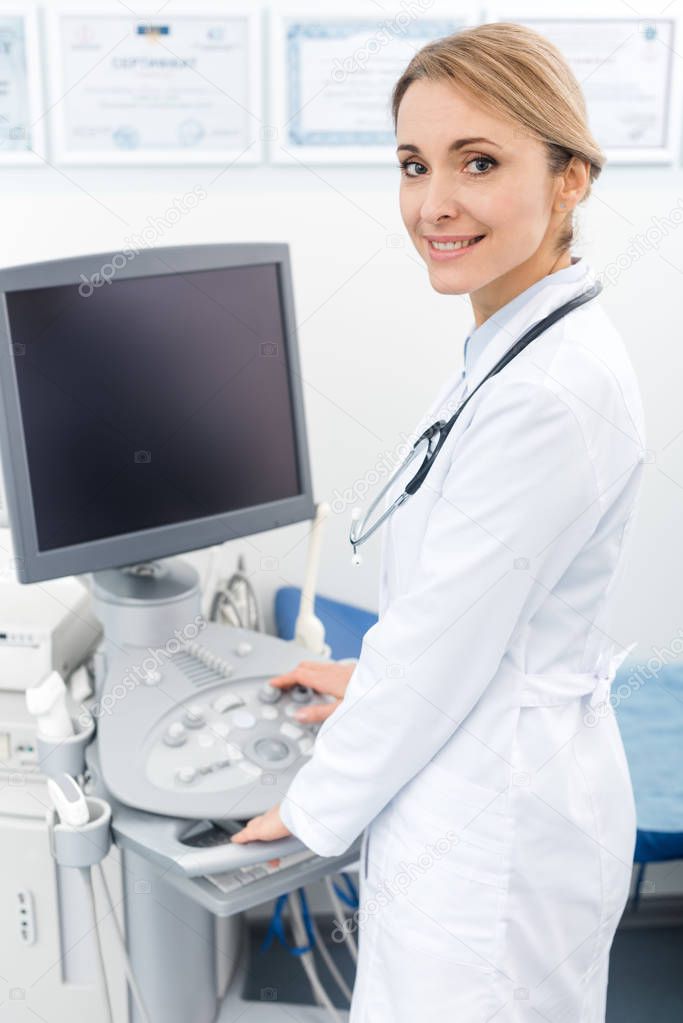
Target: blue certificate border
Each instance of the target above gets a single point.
(297, 31)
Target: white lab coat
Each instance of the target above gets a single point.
(476, 744)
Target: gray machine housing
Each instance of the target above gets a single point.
(182, 930)
(159, 854)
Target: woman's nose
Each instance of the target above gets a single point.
(440, 201)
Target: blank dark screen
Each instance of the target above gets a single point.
(154, 401)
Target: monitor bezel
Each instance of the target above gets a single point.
(34, 565)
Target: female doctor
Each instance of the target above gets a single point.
(475, 745)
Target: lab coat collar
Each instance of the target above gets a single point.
(489, 342)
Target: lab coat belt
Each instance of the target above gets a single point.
(557, 688)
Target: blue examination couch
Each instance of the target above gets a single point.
(648, 702)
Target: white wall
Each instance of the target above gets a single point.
(375, 339)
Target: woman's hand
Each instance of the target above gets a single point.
(326, 677)
(264, 828)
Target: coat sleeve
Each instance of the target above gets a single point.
(519, 500)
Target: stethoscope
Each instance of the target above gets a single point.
(432, 440)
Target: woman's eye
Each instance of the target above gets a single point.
(481, 159)
(488, 161)
(410, 163)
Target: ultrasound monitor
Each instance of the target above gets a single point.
(150, 403)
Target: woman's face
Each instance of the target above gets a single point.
(499, 189)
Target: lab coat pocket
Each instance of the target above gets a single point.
(447, 800)
(446, 866)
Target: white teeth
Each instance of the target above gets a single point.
(447, 246)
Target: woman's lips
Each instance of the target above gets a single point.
(441, 256)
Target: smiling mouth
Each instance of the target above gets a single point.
(455, 246)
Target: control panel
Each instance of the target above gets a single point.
(244, 725)
(203, 734)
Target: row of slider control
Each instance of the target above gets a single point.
(212, 661)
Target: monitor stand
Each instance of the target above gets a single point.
(141, 605)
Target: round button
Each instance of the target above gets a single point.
(300, 694)
(221, 729)
(243, 649)
(186, 775)
(175, 734)
(243, 719)
(271, 750)
(205, 740)
(194, 716)
(269, 694)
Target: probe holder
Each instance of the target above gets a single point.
(85, 845)
(57, 756)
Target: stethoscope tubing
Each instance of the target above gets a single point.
(359, 531)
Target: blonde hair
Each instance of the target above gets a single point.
(522, 76)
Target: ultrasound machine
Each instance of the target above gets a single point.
(146, 410)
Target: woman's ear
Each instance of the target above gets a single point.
(575, 181)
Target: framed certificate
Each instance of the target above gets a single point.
(158, 88)
(630, 75)
(22, 136)
(331, 83)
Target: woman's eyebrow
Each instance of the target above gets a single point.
(454, 146)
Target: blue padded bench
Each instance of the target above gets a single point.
(649, 709)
